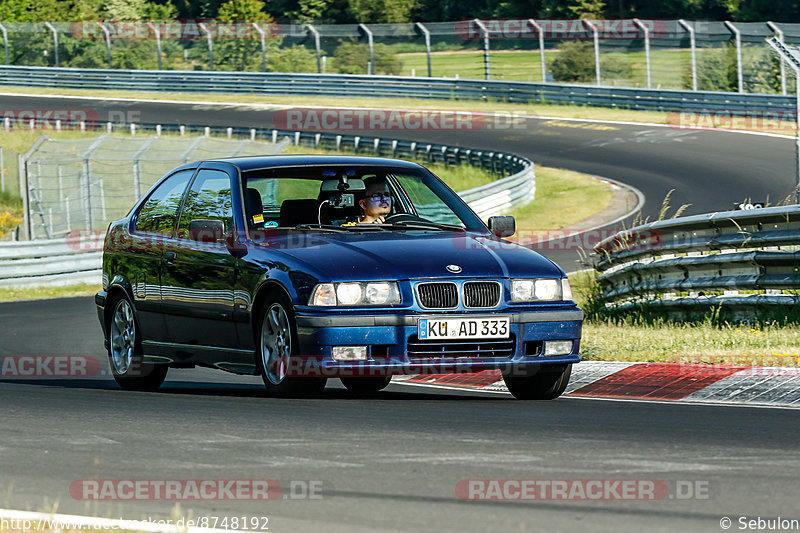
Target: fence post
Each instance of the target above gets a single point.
(5, 41)
(693, 44)
(738, 35)
(371, 64)
(55, 40)
(779, 35)
(23, 191)
(108, 41)
(210, 45)
(158, 41)
(486, 64)
(538, 28)
(263, 46)
(88, 179)
(646, 31)
(313, 30)
(427, 35)
(596, 39)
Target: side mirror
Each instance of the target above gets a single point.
(503, 226)
(203, 230)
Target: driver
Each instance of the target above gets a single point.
(375, 203)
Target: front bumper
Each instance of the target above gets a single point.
(391, 343)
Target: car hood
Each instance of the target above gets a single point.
(410, 255)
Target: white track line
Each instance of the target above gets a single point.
(67, 521)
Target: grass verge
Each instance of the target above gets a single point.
(10, 294)
(563, 199)
(673, 342)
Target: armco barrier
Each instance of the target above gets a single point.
(359, 86)
(737, 259)
(64, 261)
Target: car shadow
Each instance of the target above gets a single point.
(246, 390)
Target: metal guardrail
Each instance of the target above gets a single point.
(357, 86)
(78, 257)
(736, 259)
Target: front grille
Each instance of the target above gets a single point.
(481, 294)
(418, 349)
(438, 295)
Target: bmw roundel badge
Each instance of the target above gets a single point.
(455, 269)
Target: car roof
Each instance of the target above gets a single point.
(247, 163)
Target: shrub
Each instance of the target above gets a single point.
(574, 62)
(353, 58)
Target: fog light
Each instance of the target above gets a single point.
(349, 353)
(557, 347)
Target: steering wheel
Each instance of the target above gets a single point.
(399, 218)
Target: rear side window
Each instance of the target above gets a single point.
(160, 212)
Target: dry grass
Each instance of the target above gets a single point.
(563, 199)
(692, 343)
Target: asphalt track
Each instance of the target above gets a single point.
(391, 462)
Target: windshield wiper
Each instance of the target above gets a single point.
(419, 224)
(323, 227)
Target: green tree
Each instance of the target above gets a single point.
(15, 10)
(591, 9)
(242, 10)
(381, 11)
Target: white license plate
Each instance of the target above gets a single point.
(496, 327)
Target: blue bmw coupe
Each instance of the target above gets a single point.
(304, 268)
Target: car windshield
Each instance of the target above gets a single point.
(348, 198)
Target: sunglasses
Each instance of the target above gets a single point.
(380, 195)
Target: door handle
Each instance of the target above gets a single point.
(169, 256)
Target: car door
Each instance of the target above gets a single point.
(152, 227)
(198, 270)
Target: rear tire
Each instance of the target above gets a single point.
(277, 349)
(540, 386)
(125, 351)
(366, 385)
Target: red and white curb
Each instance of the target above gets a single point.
(728, 384)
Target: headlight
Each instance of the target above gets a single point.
(539, 290)
(356, 293)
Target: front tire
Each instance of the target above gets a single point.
(125, 351)
(277, 351)
(366, 385)
(540, 386)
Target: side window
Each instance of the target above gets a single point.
(209, 198)
(160, 211)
